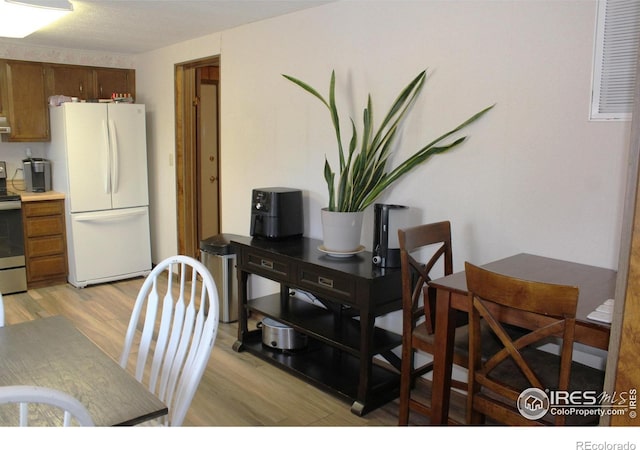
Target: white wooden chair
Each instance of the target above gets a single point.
(24, 396)
(176, 327)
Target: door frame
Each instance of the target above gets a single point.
(186, 154)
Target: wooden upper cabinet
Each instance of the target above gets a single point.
(25, 88)
(88, 83)
(26, 101)
(108, 81)
(72, 81)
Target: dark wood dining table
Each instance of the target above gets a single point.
(51, 352)
(596, 285)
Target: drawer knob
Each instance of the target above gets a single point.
(328, 282)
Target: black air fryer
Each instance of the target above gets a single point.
(385, 233)
(276, 213)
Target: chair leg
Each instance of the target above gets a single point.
(406, 382)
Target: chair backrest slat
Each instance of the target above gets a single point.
(184, 334)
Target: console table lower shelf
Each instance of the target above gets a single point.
(328, 368)
(345, 296)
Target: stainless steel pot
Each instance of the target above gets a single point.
(280, 336)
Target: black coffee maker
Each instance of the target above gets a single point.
(386, 251)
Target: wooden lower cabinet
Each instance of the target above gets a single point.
(45, 242)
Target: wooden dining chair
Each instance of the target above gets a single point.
(424, 249)
(40, 406)
(499, 385)
(173, 325)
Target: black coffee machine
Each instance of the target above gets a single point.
(386, 252)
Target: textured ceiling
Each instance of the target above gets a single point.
(139, 26)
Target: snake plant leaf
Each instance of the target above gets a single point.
(363, 174)
(329, 177)
(331, 106)
(307, 88)
(401, 105)
(335, 118)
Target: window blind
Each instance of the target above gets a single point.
(616, 55)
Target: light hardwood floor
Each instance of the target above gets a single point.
(237, 389)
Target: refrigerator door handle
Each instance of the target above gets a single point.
(111, 216)
(107, 176)
(114, 155)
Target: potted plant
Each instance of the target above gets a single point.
(363, 174)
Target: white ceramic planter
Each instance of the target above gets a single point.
(341, 230)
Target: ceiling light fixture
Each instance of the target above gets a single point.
(20, 18)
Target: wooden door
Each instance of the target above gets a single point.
(207, 150)
(187, 158)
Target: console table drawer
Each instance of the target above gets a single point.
(334, 285)
(265, 265)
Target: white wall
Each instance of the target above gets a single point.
(536, 176)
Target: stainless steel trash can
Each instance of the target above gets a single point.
(218, 255)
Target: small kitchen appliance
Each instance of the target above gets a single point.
(276, 213)
(279, 336)
(37, 174)
(386, 249)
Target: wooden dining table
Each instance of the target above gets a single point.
(51, 352)
(596, 285)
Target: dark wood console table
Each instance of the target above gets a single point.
(347, 295)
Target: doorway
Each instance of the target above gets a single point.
(197, 153)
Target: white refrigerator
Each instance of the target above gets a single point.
(98, 154)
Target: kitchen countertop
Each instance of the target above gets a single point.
(40, 196)
(18, 187)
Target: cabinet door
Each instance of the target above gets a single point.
(108, 81)
(71, 81)
(27, 105)
(45, 243)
